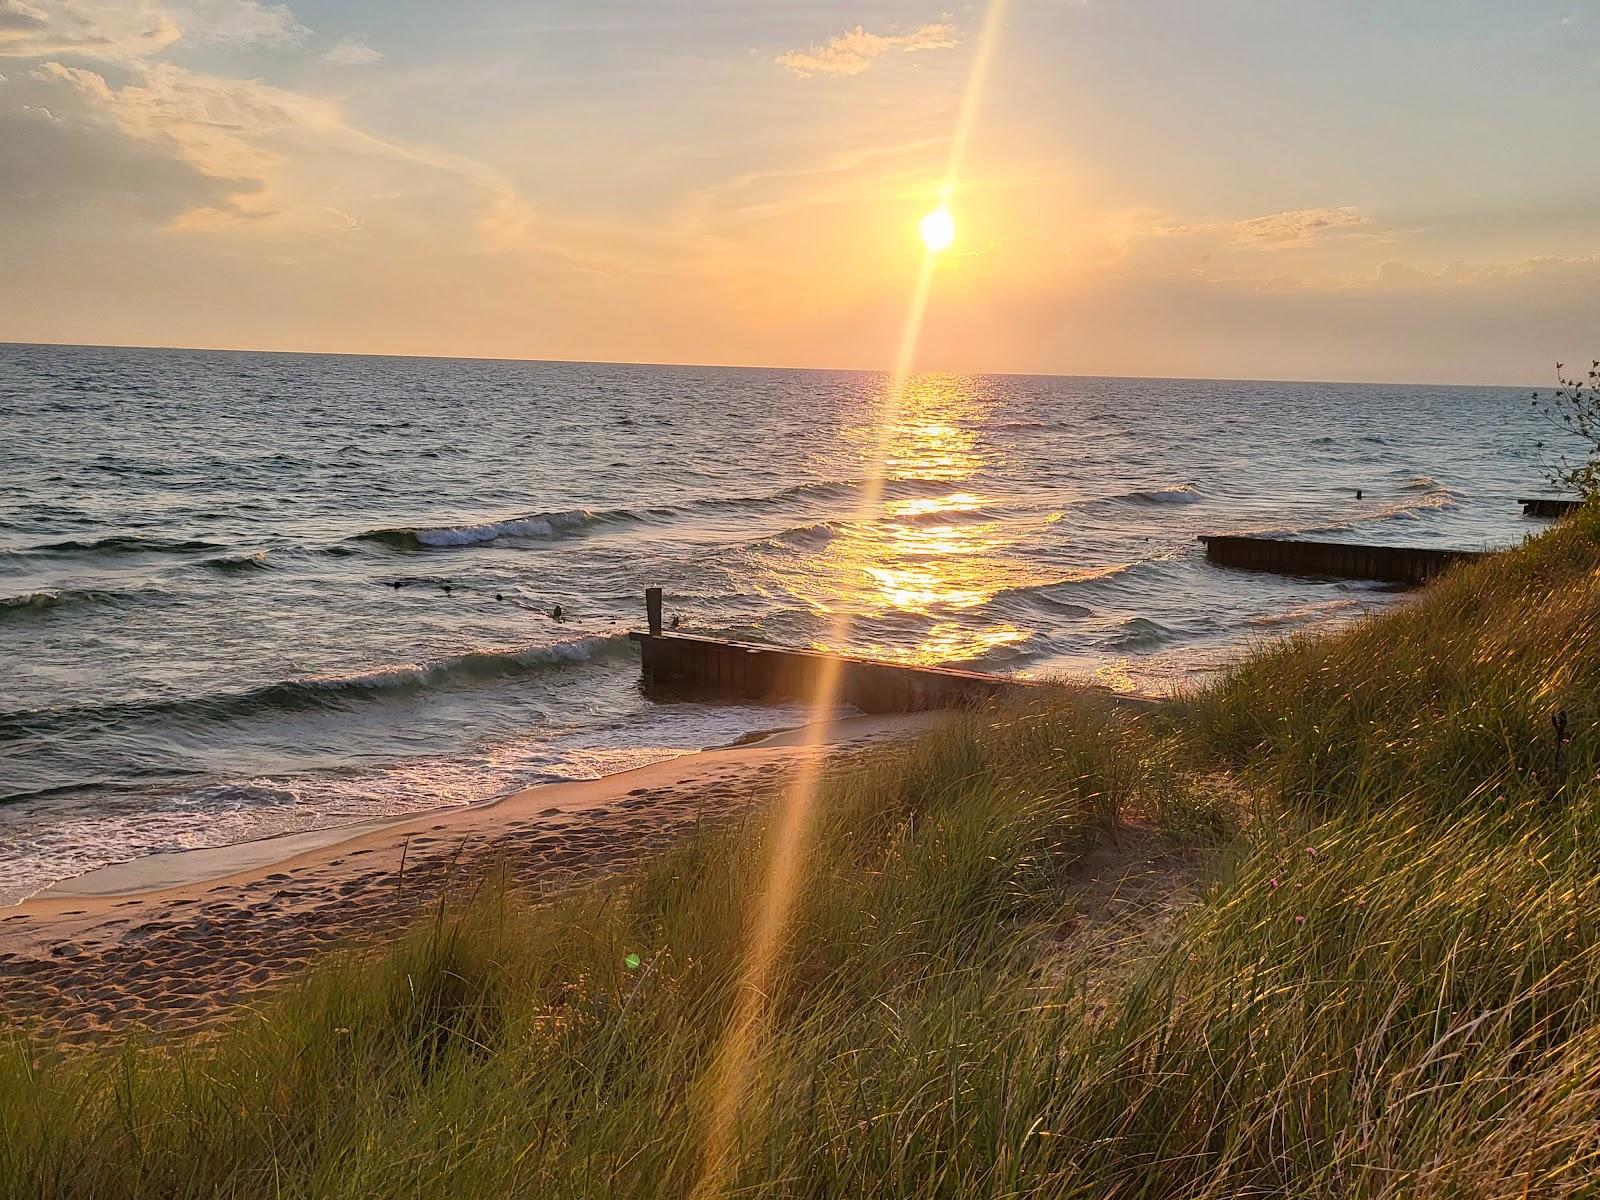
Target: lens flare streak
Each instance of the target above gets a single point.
(729, 1076)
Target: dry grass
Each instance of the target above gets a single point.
(1365, 962)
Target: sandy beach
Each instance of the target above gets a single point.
(175, 941)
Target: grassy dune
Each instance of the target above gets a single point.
(1391, 986)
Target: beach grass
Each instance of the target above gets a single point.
(1386, 981)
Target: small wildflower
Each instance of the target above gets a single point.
(1299, 920)
(1311, 851)
(1273, 883)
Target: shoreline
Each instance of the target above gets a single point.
(144, 874)
(178, 940)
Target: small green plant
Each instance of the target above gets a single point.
(1574, 408)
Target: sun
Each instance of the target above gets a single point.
(938, 230)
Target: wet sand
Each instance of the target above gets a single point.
(177, 941)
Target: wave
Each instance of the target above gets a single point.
(1425, 495)
(119, 543)
(1140, 633)
(326, 691)
(536, 525)
(806, 537)
(1421, 483)
(1050, 594)
(547, 526)
(47, 600)
(1179, 493)
(232, 563)
(1305, 614)
(29, 602)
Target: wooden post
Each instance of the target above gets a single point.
(652, 610)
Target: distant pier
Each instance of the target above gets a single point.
(1342, 560)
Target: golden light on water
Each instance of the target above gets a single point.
(938, 230)
(760, 981)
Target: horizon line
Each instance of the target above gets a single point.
(603, 362)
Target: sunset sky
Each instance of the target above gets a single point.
(1347, 189)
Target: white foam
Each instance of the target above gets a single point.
(545, 525)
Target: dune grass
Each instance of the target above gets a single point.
(1391, 987)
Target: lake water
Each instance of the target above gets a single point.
(242, 594)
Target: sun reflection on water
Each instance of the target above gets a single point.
(915, 577)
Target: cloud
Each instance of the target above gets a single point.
(236, 21)
(1547, 272)
(853, 51)
(64, 172)
(290, 162)
(134, 30)
(108, 29)
(351, 52)
(1300, 227)
(14, 14)
(1282, 230)
(216, 125)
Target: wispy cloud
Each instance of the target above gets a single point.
(236, 21)
(1282, 230)
(132, 30)
(351, 52)
(853, 51)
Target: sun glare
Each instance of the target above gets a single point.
(938, 230)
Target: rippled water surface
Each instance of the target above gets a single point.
(242, 594)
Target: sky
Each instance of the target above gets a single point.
(1398, 190)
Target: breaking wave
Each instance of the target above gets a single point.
(536, 525)
(327, 691)
(1179, 493)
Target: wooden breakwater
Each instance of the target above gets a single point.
(688, 664)
(1343, 560)
(1549, 506)
(685, 664)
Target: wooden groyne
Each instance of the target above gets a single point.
(1549, 506)
(1342, 560)
(687, 664)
